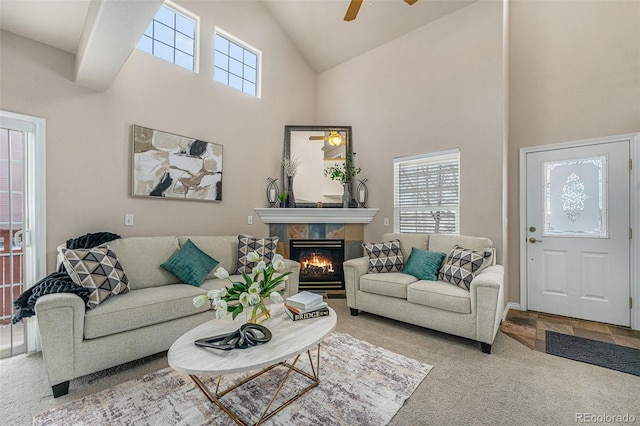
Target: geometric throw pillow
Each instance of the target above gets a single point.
(462, 265)
(190, 264)
(98, 270)
(384, 257)
(424, 264)
(265, 247)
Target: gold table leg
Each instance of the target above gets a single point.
(215, 396)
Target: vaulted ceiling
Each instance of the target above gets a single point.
(102, 33)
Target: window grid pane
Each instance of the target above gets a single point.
(171, 36)
(235, 65)
(426, 194)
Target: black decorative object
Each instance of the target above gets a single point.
(362, 193)
(272, 192)
(291, 199)
(246, 336)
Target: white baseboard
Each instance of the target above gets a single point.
(510, 305)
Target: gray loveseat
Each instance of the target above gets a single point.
(439, 305)
(146, 320)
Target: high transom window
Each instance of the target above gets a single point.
(427, 193)
(236, 64)
(172, 36)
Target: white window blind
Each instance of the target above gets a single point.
(427, 193)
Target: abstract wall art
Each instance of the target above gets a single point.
(176, 167)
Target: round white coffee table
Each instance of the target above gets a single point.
(290, 339)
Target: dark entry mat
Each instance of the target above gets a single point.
(614, 357)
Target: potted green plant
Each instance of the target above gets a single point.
(283, 199)
(343, 173)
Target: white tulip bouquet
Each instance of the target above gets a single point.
(251, 293)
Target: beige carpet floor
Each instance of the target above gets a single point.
(512, 386)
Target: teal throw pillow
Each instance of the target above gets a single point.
(424, 264)
(190, 264)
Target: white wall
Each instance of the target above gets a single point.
(574, 74)
(88, 133)
(436, 88)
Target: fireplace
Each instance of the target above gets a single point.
(320, 263)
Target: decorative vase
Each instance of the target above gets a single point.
(346, 196)
(257, 314)
(291, 199)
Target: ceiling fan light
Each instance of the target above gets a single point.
(335, 139)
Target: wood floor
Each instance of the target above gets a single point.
(528, 328)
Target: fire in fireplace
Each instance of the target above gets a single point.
(320, 263)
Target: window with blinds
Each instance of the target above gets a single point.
(427, 193)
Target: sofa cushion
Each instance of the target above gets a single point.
(141, 257)
(393, 284)
(190, 264)
(384, 257)
(446, 242)
(409, 240)
(217, 283)
(224, 249)
(462, 265)
(97, 269)
(440, 295)
(265, 247)
(140, 308)
(424, 264)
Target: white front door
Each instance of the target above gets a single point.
(577, 230)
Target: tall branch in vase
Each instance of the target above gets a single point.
(290, 167)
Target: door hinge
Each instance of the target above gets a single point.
(630, 233)
(631, 303)
(630, 164)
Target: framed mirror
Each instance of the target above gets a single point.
(316, 148)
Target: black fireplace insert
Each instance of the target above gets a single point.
(320, 263)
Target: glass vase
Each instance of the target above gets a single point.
(257, 314)
(346, 196)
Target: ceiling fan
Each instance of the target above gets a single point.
(334, 138)
(354, 7)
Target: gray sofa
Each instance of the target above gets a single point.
(148, 319)
(439, 305)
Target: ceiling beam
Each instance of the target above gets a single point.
(111, 31)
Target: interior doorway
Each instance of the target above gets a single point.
(22, 223)
(576, 215)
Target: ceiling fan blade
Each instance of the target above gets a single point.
(410, 2)
(317, 138)
(353, 9)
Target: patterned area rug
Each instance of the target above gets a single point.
(360, 384)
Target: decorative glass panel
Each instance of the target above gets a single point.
(575, 197)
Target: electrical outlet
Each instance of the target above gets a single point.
(128, 219)
(386, 221)
(250, 220)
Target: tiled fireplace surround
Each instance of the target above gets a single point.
(351, 233)
(318, 224)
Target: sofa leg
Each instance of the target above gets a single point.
(354, 312)
(60, 389)
(486, 348)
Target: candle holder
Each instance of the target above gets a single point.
(362, 193)
(272, 192)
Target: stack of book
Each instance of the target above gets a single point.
(305, 305)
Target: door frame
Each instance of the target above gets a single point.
(634, 214)
(36, 252)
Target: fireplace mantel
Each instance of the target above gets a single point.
(313, 215)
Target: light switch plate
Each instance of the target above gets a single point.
(386, 221)
(128, 219)
(250, 220)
